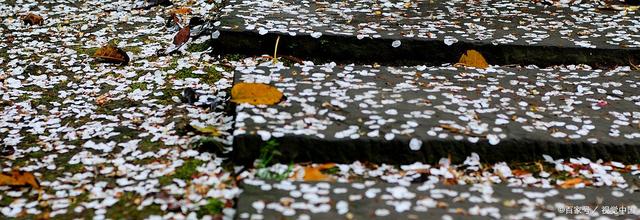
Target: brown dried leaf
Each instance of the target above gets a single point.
(473, 58)
(182, 11)
(102, 99)
(314, 173)
(111, 54)
(520, 172)
(175, 18)
(182, 36)
(19, 178)
(255, 94)
(33, 19)
(570, 183)
(450, 128)
(450, 182)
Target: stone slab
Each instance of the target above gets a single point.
(402, 115)
(433, 32)
(379, 200)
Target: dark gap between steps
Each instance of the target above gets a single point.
(348, 49)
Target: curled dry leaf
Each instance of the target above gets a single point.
(520, 172)
(450, 128)
(570, 183)
(102, 99)
(182, 36)
(181, 11)
(19, 178)
(33, 19)
(175, 19)
(255, 94)
(314, 173)
(450, 181)
(111, 54)
(473, 58)
(210, 130)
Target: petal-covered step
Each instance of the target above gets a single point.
(428, 200)
(417, 32)
(344, 113)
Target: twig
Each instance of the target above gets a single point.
(633, 65)
(275, 51)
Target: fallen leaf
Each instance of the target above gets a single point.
(208, 130)
(201, 189)
(314, 173)
(19, 178)
(175, 19)
(473, 58)
(450, 128)
(255, 94)
(182, 36)
(182, 11)
(450, 181)
(102, 99)
(570, 183)
(111, 54)
(520, 172)
(44, 215)
(33, 19)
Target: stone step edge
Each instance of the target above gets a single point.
(347, 49)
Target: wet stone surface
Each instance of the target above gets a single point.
(401, 115)
(541, 33)
(579, 24)
(428, 200)
(108, 141)
(153, 139)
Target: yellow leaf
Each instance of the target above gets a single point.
(314, 173)
(255, 94)
(570, 183)
(208, 130)
(473, 58)
(19, 178)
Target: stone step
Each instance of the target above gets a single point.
(379, 200)
(400, 115)
(433, 32)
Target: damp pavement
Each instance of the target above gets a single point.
(371, 199)
(159, 139)
(343, 113)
